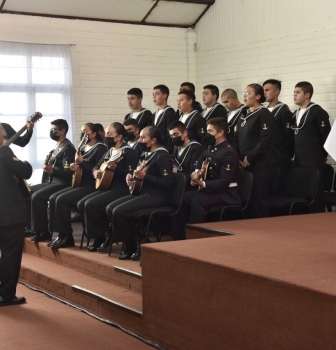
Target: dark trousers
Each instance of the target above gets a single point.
(93, 209)
(11, 245)
(38, 205)
(61, 204)
(120, 213)
(194, 209)
(259, 204)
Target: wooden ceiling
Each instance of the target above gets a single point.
(177, 13)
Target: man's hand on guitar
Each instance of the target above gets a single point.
(30, 126)
(74, 166)
(111, 165)
(48, 169)
(78, 158)
(97, 174)
(246, 163)
(129, 179)
(139, 174)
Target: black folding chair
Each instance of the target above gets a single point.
(301, 189)
(329, 187)
(176, 199)
(245, 183)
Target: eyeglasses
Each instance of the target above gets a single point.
(55, 130)
(246, 93)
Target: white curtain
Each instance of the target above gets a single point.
(33, 78)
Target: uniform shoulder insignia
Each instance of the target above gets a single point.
(287, 126)
(165, 172)
(16, 159)
(129, 168)
(66, 165)
(202, 131)
(195, 163)
(265, 127)
(322, 124)
(228, 167)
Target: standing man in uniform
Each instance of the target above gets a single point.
(196, 105)
(311, 128)
(213, 108)
(12, 222)
(283, 138)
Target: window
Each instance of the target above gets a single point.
(35, 78)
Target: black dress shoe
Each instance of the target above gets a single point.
(65, 242)
(104, 245)
(55, 241)
(138, 241)
(40, 237)
(96, 244)
(14, 301)
(124, 255)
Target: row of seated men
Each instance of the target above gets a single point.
(108, 213)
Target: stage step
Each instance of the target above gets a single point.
(103, 298)
(107, 268)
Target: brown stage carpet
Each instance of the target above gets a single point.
(43, 323)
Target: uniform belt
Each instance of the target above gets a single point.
(233, 184)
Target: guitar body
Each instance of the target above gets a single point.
(77, 177)
(24, 187)
(202, 174)
(136, 186)
(105, 181)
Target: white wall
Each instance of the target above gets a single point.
(108, 59)
(246, 41)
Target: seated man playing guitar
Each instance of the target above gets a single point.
(117, 162)
(90, 151)
(216, 178)
(154, 185)
(56, 176)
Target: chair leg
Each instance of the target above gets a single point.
(82, 239)
(175, 229)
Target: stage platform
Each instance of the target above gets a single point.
(249, 284)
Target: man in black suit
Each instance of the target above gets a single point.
(12, 222)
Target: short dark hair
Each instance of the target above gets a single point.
(132, 122)
(219, 124)
(177, 125)
(189, 94)
(163, 88)
(154, 132)
(120, 129)
(191, 86)
(213, 88)
(94, 128)
(101, 131)
(135, 91)
(306, 87)
(258, 90)
(276, 83)
(61, 124)
(230, 93)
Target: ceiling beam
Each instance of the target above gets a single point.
(151, 9)
(200, 2)
(2, 5)
(201, 15)
(94, 19)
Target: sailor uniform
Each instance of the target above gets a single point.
(221, 186)
(12, 220)
(217, 110)
(60, 179)
(310, 135)
(162, 119)
(253, 139)
(62, 201)
(185, 160)
(283, 142)
(92, 207)
(155, 192)
(232, 118)
(135, 146)
(196, 106)
(195, 125)
(20, 141)
(144, 118)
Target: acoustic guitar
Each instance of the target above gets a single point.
(105, 181)
(136, 186)
(201, 174)
(22, 183)
(77, 175)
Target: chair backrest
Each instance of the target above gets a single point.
(245, 183)
(329, 177)
(275, 182)
(179, 184)
(302, 183)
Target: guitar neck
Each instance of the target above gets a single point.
(16, 136)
